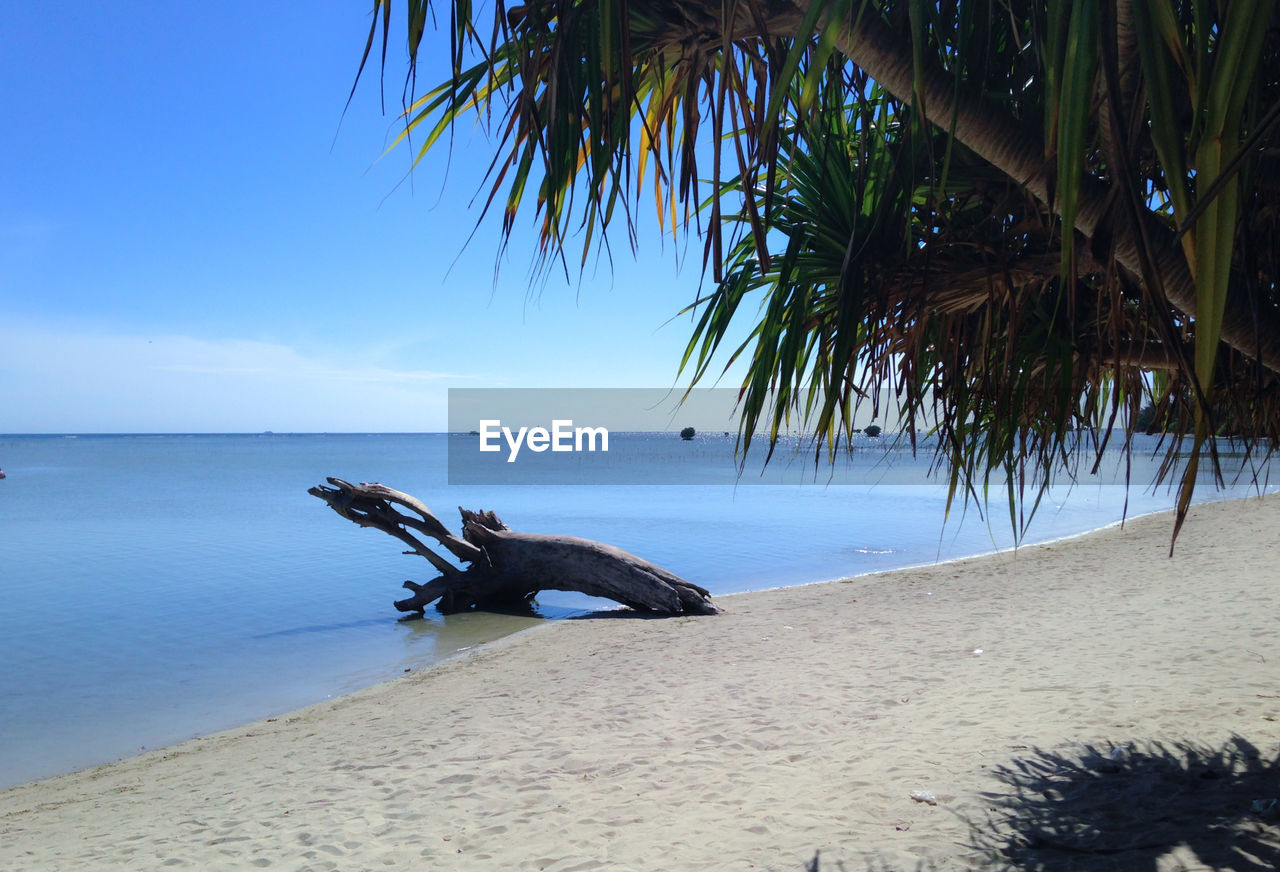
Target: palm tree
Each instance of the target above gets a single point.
(1007, 222)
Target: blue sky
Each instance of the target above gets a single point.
(186, 247)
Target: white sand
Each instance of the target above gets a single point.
(801, 719)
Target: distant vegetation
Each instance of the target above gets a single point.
(688, 433)
(872, 430)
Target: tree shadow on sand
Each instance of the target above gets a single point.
(1137, 809)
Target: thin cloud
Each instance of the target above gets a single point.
(85, 381)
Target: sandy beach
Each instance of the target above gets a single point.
(1088, 704)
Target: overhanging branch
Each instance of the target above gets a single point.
(1019, 153)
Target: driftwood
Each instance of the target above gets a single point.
(506, 569)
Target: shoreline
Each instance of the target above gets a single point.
(1012, 549)
(802, 719)
(188, 641)
(114, 745)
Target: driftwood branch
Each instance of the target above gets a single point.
(505, 567)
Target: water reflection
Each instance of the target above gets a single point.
(321, 628)
(442, 636)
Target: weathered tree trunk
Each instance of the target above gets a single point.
(507, 568)
(1016, 150)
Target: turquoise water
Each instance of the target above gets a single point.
(160, 587)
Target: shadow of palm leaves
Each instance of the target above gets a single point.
(1153, 807)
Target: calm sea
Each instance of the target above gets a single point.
(159, 587)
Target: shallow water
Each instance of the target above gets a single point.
(160, 587)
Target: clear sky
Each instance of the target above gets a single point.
(191, 241)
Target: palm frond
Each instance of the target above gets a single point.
(1011, 221)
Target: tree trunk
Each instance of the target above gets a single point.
(506, 568)
(1019, 153)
